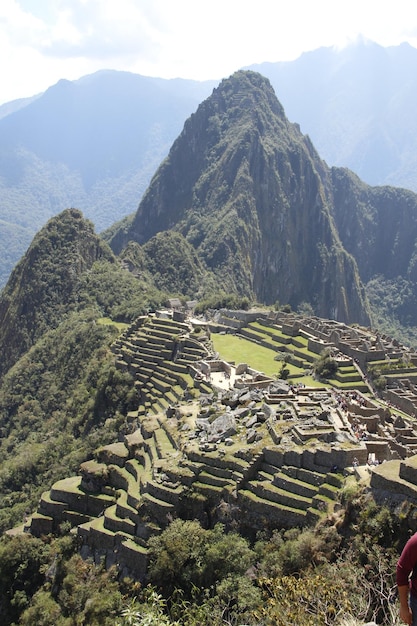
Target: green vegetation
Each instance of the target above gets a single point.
(240, 350)
(174, 264)
(378, 379)
(121, 326)
(53, 407)
(186, 556)
(394, 306)
(51, 271)
(116, 293)
(202, 224)
(66, 269)
(325, 366)
(341, 571)
(48, 584)
(222, 301)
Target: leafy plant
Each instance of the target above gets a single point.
(325, 366)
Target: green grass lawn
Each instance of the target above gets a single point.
(238, 350)
(121, 326)
(233, 348)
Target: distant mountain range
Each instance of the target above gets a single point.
(95, 143)
(357, 105)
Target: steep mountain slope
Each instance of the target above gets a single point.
(249, 191)
(92, 144)
(174, 264)
(53, 405)
(43, 286)
(378, 226)
(358, 106)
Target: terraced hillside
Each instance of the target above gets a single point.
(209, 442)
(302, 350)
(158, 352)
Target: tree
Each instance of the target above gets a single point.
(185, 556)
(325, 366)
(175, 556)
(312, 599)
(21, 561)
(82, 593)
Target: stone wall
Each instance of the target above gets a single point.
(404, 402)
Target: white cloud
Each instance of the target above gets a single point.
(45, 40)
(99, 29)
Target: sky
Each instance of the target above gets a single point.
(42, 41)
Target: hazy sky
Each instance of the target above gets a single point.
(42, 41)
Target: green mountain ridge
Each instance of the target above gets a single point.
(43, 286)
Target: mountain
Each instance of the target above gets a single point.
(10, 107)
(358, 105)
(92, 144)
(272, 221)
(243, 203)
(43, 287)
(67, 269)
(251, 194)
(95, 143)
(101, 126)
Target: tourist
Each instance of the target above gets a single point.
(407, 582)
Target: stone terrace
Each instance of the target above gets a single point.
(237, 461)
(260, 457)
(388, 427)
(159, 352)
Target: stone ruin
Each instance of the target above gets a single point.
(217, 442)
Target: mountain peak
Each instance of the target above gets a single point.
(248, 191)
(43, 286)
(250, 86)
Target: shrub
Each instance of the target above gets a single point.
(325, 366)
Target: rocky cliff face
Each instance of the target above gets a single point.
(377, 225)
(249, 191)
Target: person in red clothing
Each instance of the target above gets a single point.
(407, 582)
